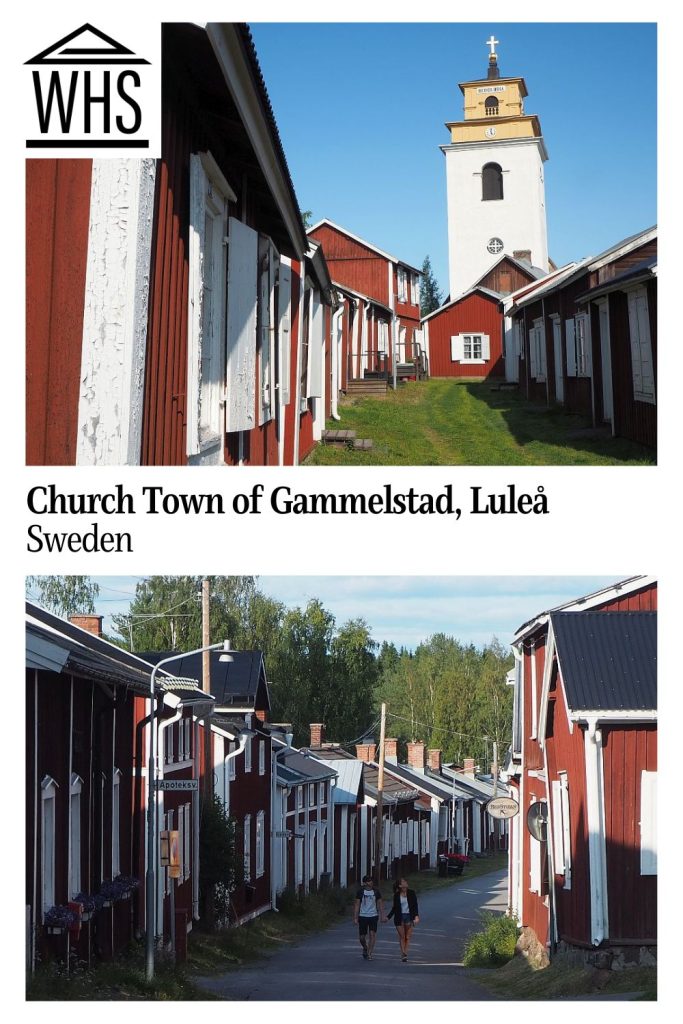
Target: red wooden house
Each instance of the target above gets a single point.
(466, 336)
(586, 338)
(175, 312)
(584, 771)
(386, 330)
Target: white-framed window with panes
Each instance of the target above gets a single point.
(470, 348)
(260, 844)
(578, 345)
(247, 847)
(642, 363)
(537, 353)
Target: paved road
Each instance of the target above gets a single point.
(329, 965)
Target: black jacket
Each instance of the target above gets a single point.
(395, 911)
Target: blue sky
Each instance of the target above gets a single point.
(408, 609)
(362, 134)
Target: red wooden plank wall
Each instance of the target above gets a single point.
(477, 314)
(57, 218)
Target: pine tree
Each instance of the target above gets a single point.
(430, 293)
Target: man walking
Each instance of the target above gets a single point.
(367, 910)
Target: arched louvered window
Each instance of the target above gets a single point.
(492, 181)
(491, 106)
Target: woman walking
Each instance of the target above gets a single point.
(404, 913)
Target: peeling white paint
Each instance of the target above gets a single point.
(115, 312)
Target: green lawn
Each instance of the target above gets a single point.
(442, 422)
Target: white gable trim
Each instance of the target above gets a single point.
(362, 241)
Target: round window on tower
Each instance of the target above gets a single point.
(495, 245)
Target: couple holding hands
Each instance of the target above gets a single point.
(369, 907)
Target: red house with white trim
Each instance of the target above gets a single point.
(176, 312)
(584, 770)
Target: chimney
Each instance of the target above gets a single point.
(416, 756)
(434, 760)
(522, 254)
(391, 750)
(366, 751)
(90, 623)
(317, 735)
(468, 766)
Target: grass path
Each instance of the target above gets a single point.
(443, 422)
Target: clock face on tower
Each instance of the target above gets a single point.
(490, 132)
(495, 245)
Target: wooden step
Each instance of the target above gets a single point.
(341, 438)
(374, 388)
(362, 444)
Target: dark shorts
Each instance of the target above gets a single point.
(366, 924)
(403, 919)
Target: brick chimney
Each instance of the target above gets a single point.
(468, 766)
(261, 715)
(366, 751)
(416, 756)
(522, 254)
(391, 750)
(90, 623)
(434, 760)
(317, 735)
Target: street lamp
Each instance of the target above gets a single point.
(150, 877)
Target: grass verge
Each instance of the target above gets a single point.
(517, 980)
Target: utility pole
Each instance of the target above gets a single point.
(380, 793)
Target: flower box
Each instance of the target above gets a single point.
(55, 931)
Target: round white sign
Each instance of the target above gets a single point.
(502, 807)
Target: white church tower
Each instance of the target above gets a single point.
(494, 179)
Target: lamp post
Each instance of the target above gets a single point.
(150, 877)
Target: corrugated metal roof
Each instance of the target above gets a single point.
(608, 660)
(308, 767)
(349, 779)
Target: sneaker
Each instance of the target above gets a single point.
(369, 956)
(404, 957)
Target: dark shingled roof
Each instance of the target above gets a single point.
(608, 660)
(237, 683)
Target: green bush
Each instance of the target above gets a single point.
(494, 945)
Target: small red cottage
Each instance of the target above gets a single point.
(388, 334)
(465, 337)
(584, 770)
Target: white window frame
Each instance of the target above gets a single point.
(262, 757)
(648, 823)
(247, 756)
(641, 347)
(232, 762)
(260, 844)
(582, 344)
(75, 791)
(537, 353)
(48, 826)
(116, 824)
(247, 847)
(464, 345)
(416, 290)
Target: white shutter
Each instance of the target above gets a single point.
(540, 335)
(457, 348)
(485, 346)
(533, 369)
(641, 345)
(264, 324)
(285, 331)
(570, 337)
(535, 866)
(558, 828)
(241, 333)
(588, 345)
(198, 185)
(648, 823)
(316, 347)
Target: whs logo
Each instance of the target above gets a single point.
(91, 92)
